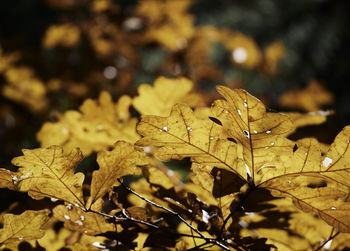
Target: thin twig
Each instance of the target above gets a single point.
(138, 221)
(329, 239)
(209, 240)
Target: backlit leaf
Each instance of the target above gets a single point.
(319, 184)
(122, 160)
(84, 222)
(99, 125)
(24, 227)
(259, 135)
(183, 135)
(159, 99)
(48, 172)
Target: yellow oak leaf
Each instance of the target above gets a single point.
(89, 223)
(66, 35)
(273, 53)
(6, 179)
(159, 99)
(319, 184)
(183, 135)
(259, 134)
(309, 99)
(23, 87)
(307, 119)
(123, 160)
(98, 126)
(245, 52)
(87, 242)
(53, 240)
(24, 227)
(48, 172)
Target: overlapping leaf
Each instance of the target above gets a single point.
(259, 135)
(84, 222)
(24, 227)
(122, 160)
(159, 99)
(319, 184)
(99, 125)
(48, 172)
(183, 135)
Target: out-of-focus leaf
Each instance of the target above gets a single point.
(310, 99)
(159, 99)
(6, 177)
(308, 119)
(99, 125)
(24, 227)
(48, 172)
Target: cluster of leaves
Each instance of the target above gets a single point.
(249, 186)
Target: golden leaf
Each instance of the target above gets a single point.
(159, 99)
(310, 99)
(48, 172)
(99, 125)
(259, 134)
(273, 53)
(88, 223)
(91, 243)
(307, 119)
(319, 184)
(183, 135)
(66, 35)
(6, 179)
(54, 241)
(245, 51)
(24, 88)
(122, 160)
(24, 227)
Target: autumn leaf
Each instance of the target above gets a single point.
(259, 134)
(99, 125)
(6, 179)
(319, 184)
(123, 160)
(159, 99)
(48, 172)
(308, 119)
(24, 227)
(88, 223)
(183, 135)
(310, 99)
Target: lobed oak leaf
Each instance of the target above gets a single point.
(93, 243)
(310, 99)
(259, 134)
(98, 126)
(307, 119)
(89, 223)
(159, 99)
(319, 184)
(24, 227)
(53, 240)
(123, 160)
(6, 179)
(182, 135)
(48, 172)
